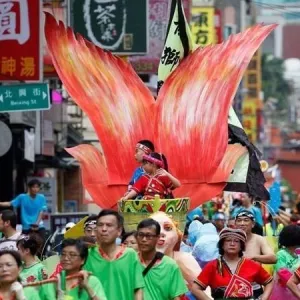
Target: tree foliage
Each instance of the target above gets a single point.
(274, 85)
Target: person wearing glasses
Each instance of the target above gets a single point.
(73, 256)
(89, 238)
(231, 275)
(33, 270)
(163, 278)
(10, 286)
(117, 267)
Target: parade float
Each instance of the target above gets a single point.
(188, 121)
(191, 121)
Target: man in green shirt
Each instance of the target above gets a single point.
(117, 267)
(163, 278)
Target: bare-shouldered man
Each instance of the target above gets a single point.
(257, 247)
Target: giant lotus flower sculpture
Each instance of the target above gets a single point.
(187, 122)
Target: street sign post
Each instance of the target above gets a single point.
(24, 97)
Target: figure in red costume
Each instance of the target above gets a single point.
(156, 180)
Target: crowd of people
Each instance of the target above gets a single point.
(105, 271)
(233, 254)
(233, 262)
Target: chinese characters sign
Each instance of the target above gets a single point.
(203, 25)
(250, 118)
(59, 12)
(158, 21)
(251, 103)
(116, 25)
(20, 40)
(157, 30)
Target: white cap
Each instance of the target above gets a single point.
(68, 226)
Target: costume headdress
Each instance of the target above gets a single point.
(90, 222)
(245, 213)
(146, 149)
(190, 114)
(231, 232)
(154, 160)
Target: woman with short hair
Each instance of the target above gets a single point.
(10, 285)
(86, 287)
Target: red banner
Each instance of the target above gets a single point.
(58, 10)
(20, 49)
(218, 26)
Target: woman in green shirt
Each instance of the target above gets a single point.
(10, 287)
(74, 254)
(32, 270)
(289, 241)
(287, 261)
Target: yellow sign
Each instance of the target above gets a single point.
(203, 25)
(252, 102)
(250, 118)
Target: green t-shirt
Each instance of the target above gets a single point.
(120, 277)
(31, 293)
(36, 272)
(286, 260)
(164, 281)
(48, 291)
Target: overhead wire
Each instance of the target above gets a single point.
(283, 9)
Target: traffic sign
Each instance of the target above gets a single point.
(24, 97)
